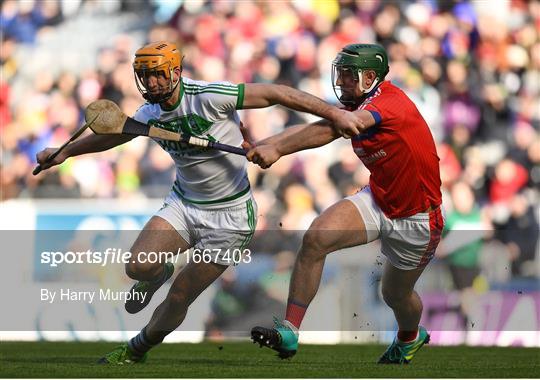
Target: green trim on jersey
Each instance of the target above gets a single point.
(194, 89)
(240, 101)
(192, 86)
(251, 224)
(175, 106)
(217, 88)
(178, 190)
(251, 215)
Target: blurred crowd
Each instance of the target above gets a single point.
(471, 67)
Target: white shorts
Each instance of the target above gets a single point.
(408, 243)
(218, 232)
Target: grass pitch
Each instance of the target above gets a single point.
(222, 360)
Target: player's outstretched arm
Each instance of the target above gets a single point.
(89, 144)
(261, 95)
(293, 139)
(365, 120)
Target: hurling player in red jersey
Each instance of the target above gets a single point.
(401, 206)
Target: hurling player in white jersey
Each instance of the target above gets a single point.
(210, 205)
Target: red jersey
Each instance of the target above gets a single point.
(400, 154)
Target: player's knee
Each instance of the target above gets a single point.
(314, 244)
(137, 270)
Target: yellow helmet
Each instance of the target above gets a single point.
(157, 58)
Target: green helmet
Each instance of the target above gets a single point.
(351, 61)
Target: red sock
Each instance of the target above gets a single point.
(407, 336)
(295, 313)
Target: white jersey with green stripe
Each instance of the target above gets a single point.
(206, 178)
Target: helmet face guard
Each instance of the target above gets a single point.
(157, 62)
(345, 80)
(161, 73)
(348, 67)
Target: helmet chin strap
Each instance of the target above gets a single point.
(361, 86)
(370, 88)
(356, 102)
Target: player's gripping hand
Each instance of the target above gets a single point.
(42, 156)
(262, 155)
(347, 123)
